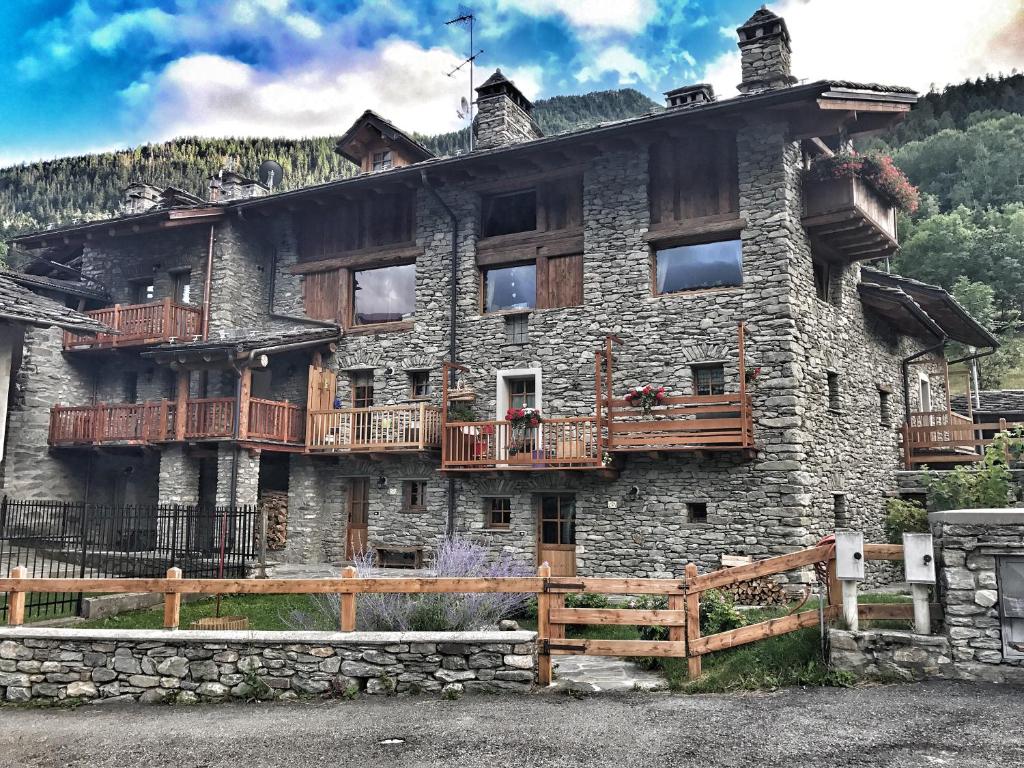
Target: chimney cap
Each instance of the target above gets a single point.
(763, 24)
(690, 95)
(497, 84)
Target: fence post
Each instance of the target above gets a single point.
(172, 602)
(348, 603)
(544, 627)
(16, 599)
(693, 661)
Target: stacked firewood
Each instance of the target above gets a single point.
(762, 591)
(275, 507)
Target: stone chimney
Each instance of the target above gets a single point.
(230, 185)
(503, 114)
(690, 95)
(765, 52)
(139, 197)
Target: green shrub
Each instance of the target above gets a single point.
(586, 600)
(903, 516)
(717, 614)
(984, 486)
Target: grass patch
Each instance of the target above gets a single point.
(265, 612)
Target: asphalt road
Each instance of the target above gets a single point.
(936, 724)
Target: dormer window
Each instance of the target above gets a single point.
(382, 160)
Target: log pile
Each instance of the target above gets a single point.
(764, 591)
(274, 505)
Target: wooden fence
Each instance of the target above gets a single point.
(681, 617)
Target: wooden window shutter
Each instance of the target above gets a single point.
(565, 281)
(323, 295)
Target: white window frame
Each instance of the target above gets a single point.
(501, 390)
(924, 385)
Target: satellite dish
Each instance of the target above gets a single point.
(465, 105)
(271, 173)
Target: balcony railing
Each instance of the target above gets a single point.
(414, 427)
(139, 325)
(697, 422)
(211, 418)
(569, 443)
(938, 438)
(850, 218)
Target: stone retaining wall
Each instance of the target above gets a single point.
(890, 654)
(156, 666)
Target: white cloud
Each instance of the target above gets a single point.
(914, 43)
(152, 21)
(214, 95)
(616, 59)
(589, 15)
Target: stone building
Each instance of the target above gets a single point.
(298, 342)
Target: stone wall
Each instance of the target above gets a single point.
(890, 654)
(500, 121)
(158, 666)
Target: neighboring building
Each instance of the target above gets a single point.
(297, 341)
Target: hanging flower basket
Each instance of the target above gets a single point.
(751, 375)
(523, 418)
(646, 397)
(876, 170)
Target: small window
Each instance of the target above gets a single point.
(884, 399)
(362, 389)
(697, 512)
(833, 391)
(385, 295)
(510, 288)
(822, 278)
(517, 329)
(143, 292)
(522, 393)
(131, 387)
(842, 520)
(509, 213)
(693, 267)
(498, 512)
(708, 380)
(419, 382)
(182, 287)
(415, 495)
(382, 160)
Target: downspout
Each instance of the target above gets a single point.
(906, 372)
(453, 347)
(208, 286)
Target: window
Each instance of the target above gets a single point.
(693, 267)
(558, 520)
(697, 512)
(708, 380)
(143, 292)
(182, 287)
(510, 288)
(509, 213)
(362, 389)
(385, 295)
(498, 512)
(419, 382)
(925, 385)
(131, 387)
(884, 415)
(382, 160)
(517, 329)
(822, 279)
(522, 393)
(839, 510)
(833, 391)
(415, 494)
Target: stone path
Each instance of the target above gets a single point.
(603, 673)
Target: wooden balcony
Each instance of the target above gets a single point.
(138, 325)
(944, 438)
(378, 429)
(212, 418)
(696, 423)
(569, 443)
(850, 218)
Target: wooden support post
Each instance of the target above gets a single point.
(677, 634)
(16, 599)
(181, 406)
(245, 394)
(544, 629)
(422, 444)
(161, 428)
(922, 609)
(172, 602)
(850, 614)
(693, 662)
(348, 604)
(166, 325)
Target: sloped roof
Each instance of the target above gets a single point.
(955, 321)
(899, 310)
(71, 287)
(20, 305)
(234, 345)
(385, 128)
(993, 401)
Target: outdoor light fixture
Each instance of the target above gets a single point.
(382, 482)
(633, 494)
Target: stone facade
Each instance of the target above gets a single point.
(890, 654)
(158, 666)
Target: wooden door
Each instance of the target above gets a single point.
(322, 387)
(358, 515)
(556, 533)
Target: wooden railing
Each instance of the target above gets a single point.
(681, 617)
(210, 418)
(850, 216)
(946, 437)
(708, 422)
(570, 443)
(140, 324)
(414, 427)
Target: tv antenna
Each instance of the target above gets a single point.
(271, 174)
(467, 18)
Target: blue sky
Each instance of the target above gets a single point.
(88, 75)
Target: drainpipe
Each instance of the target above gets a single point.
(453, 348)
(906, 372)
(208, 286)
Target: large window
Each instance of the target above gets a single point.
(509, 213)
(522, 393)
(693, 267)
(385, 295)
(510, 288)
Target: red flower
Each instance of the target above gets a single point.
(647, 389)
(488, 429)
(534, 422)
(660, 396)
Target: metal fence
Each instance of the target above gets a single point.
(76, 540)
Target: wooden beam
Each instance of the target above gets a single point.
(772, 565)
(172, 602)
